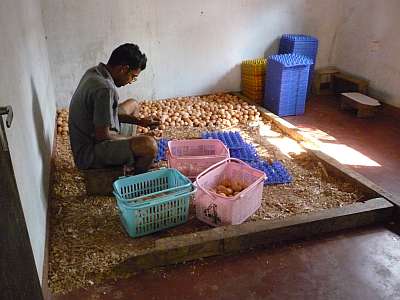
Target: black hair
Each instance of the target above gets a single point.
(128, 54)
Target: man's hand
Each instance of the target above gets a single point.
(144, 122)
(149, 122)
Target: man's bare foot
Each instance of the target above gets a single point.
(129, 170)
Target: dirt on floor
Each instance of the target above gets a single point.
(86, 236)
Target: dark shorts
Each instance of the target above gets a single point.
(113, 153)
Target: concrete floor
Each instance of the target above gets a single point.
(355, 264)
(377, 139)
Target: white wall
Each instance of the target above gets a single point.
(25, 83)
(368, 44)
(194, 47)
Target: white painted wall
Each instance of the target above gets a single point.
(194, 47)
(368, 44)
(26, 84)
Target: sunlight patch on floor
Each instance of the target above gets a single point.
(347, 156)
(266, 131)
(342, 153)
(286, 145)
(316, 134)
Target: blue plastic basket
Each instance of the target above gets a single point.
(153, 201)
(286, 84)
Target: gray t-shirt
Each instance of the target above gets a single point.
(94, 103)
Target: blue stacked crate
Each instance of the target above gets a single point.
(238, 148)
(302, 45)
(162, 148)
(286, 84)
(299, 44)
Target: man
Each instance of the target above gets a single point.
(95, 116)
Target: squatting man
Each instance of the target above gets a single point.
(101, 128)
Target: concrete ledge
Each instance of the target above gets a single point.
(231, 239)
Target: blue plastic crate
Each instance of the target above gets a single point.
(231, 139)
(286, 84)
(153, 201)
(299, 44)
(276, 172)
(162, 148)
(303, 45)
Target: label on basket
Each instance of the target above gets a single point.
(212, 213)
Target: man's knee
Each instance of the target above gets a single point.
(151, 145)
(130, 106)
(144, 146)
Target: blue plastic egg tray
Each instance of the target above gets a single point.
(247, 153)
(291, 60)
(238, 148)
(162, 148)
(276, 172)
(231, 139)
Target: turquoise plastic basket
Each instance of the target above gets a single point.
(153, 201)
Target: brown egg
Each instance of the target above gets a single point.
(236, 186)
(229, 191)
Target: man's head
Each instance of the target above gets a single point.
(125, 64)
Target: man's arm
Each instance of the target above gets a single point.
(144, 122)
(104, 133)
(124, 118)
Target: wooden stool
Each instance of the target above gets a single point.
(100, 181)
(343, 82)
(365, 106)
(323, 81)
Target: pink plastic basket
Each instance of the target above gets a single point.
(191, 157)
(215, 209)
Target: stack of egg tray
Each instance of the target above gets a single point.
(238, 148)
(286, 84)
(253, 78)
(302, 45)
(299, 44)
(162, 148)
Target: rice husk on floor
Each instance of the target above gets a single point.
(86, 236)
